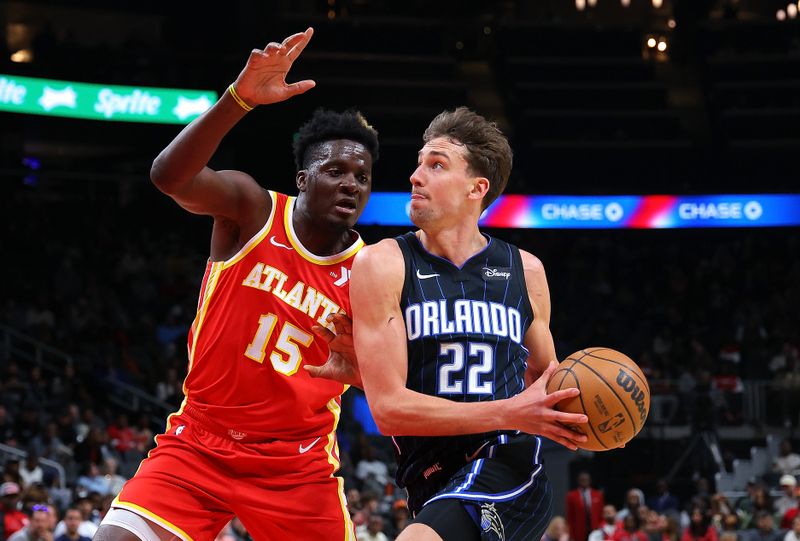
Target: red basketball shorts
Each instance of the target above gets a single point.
(194, 482)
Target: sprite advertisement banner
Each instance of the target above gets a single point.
(102, 102)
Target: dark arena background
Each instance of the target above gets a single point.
(695, 103)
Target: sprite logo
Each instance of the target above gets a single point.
(102, 102)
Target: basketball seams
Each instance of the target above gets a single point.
(621, 400)
(590, 353)
(569, 370)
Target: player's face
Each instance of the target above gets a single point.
(337, 182)
(440, 184)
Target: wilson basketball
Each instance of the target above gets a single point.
(614, 396)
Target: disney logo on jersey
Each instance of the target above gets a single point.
(496, 274)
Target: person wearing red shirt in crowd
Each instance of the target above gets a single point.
(584, 508)
(121, 434)
(631, 530)
(699, 528)
(13, 519)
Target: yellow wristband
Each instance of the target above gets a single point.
(239, 100)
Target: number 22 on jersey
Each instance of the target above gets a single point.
(286, 356)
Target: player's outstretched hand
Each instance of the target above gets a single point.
(535, 412)
(263, 79)
(342, 365)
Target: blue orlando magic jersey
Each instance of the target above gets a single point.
(465, 329)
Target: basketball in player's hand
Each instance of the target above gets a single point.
(614, 396)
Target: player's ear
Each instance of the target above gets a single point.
(479, 188)
(301, 180)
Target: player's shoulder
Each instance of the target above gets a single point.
(378, 256)
(530, 262)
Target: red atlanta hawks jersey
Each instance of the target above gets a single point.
(252, 334)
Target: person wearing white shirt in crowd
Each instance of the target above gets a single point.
(374, 473)
(372, 530)
(609, 526)
(787, 500)
(30, 471)
(787, 462)
(87, 528)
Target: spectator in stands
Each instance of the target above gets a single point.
(607, 527)
(788, 518)
(663, 501)
(121, 434)
(353, 497)
(654, 525)
(113, 480)
(699, 528)
(557, 530)
(48, 445)
(729, 524)
(94, 448)
(794, 533)
(764, 528)
(169, 390)
(787, 462)
(720, 508)
(373, 472)
(372, 530)
(787, 500)
(631, 529)
(634, 499)
(13, 519)
(30, 470)
(38, 529)
(72, 522)
(93, 480)
(58, 495)
(11, 471)
(87, 526)
(757, 501)
(400, 518)
(584, 508)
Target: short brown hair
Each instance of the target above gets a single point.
(488, 152)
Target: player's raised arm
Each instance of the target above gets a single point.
(379, 334)
(181, 170)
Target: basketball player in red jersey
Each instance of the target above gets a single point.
(255, 435)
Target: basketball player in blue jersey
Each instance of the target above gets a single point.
(448, 323)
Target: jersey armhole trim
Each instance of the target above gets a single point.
(258, 237)
(522, 283)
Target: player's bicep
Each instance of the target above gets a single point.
(376, 282)
(223, 194)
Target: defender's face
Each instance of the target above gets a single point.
(337, 182)
(441, 182)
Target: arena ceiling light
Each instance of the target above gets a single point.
(102, 102)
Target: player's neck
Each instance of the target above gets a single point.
(456, 245)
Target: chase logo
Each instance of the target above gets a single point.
(496, 274)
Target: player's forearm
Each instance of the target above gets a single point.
(194, 146)
(411, 413)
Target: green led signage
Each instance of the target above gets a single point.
(102, 102)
